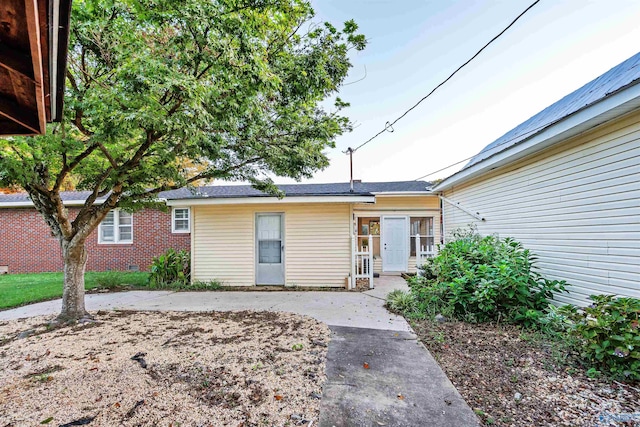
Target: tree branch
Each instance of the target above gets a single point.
(108, 155)
(201, 175)
(68, 168)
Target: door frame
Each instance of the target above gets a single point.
(256, 250)
(383, 240)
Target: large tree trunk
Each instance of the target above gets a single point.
(75, 261)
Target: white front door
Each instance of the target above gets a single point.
(394, 243)
(269, 249)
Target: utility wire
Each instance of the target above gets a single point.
(490, 149)
(444, 168)
(389, 126)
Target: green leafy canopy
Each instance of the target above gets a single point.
(231, 88)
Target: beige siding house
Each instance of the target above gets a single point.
(567, 184)
(317, 235)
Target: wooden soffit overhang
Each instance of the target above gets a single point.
(34, 37)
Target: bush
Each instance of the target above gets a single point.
(171, 269)
(108, 280)
(116, 279)
(401, 302)
(482, 279)
(609, 335)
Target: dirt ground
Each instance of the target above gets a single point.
(167, 369)
(510, 379)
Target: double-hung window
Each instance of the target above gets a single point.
(180, 220)
(116, 227)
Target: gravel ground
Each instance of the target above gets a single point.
(511, 380)
(167, 369)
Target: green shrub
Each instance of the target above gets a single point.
(108, 280)
(401, 302)
(171, 269)
(609, 335)
(115, 279)
(482, 279)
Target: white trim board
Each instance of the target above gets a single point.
(270, 200)
(29, 203)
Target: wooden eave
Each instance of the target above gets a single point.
(33, 49)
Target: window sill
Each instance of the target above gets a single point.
(115, 243)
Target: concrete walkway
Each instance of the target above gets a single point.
(403, 386)
(355, 309)
(400, 385)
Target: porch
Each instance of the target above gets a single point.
(389, 244)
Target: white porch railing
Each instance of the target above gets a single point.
(423, 252)
(362, 262)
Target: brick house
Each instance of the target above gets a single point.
(123, 241)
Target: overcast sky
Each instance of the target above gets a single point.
(554, 49)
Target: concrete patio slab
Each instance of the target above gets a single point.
(401, 386)
(334, 308)
(362, 331)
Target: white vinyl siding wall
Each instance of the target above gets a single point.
(576, 206)
(316, 242)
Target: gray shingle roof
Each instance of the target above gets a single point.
(616, 79)
(24, 198)
(297, 190)
(232, 191)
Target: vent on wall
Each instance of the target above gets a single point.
(133, 268)
(4, 269)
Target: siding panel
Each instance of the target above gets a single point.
(576, 206)
(316, 241)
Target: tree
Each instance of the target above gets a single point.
(233, 88)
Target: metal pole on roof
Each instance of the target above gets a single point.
(350, 151)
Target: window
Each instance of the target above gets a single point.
(116, 227)
(423, 227)
(180, 220)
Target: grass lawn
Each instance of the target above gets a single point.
(22, 289)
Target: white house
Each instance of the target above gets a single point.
(567, 184)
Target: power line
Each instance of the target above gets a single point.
(492, 148)
(389, 125)
(444, 168)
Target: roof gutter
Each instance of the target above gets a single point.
(29, 203)
(607, 109)
(264, 200)
(59, 26)
(403, 193)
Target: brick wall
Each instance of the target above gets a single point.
(26, 244)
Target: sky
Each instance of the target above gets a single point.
(413, 45)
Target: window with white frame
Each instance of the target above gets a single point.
(181, 220)
(116, 227)
(422, 226)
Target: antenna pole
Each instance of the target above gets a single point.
(350, 151)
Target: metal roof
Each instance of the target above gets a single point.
(234, 191)
(616, 79)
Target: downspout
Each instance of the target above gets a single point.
(352, 266)
(54, 30)
(444, 223)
